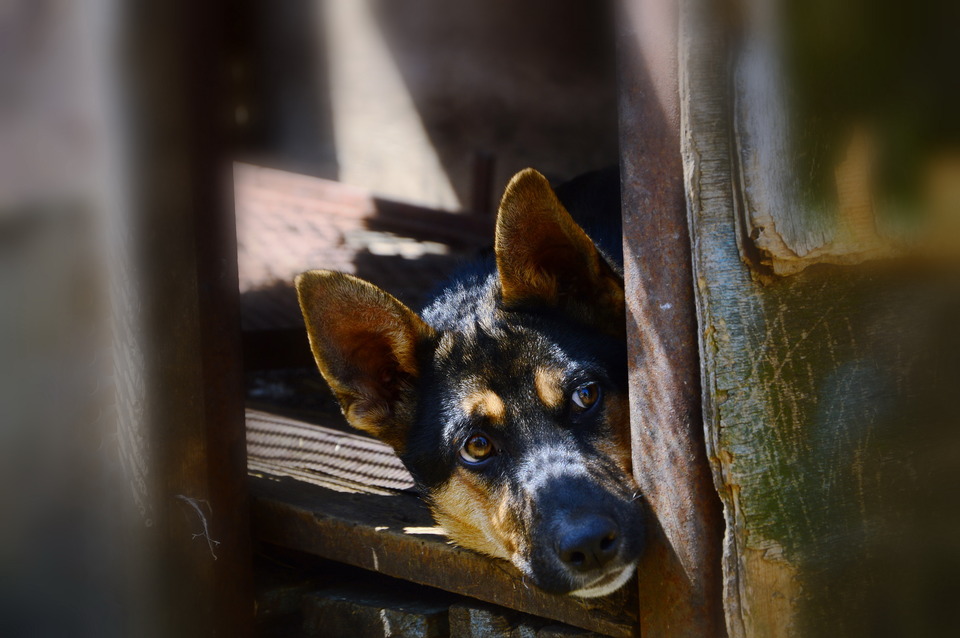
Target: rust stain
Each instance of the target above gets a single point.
(726, 458)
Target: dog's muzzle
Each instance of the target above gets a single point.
(586, 541)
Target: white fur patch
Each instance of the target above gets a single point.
(605, 584)
(550, 462)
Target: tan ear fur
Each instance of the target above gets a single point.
(365, 344)
(545, 258)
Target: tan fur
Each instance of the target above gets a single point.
(507, 526)
(445, 346)
(473, 516)
(364, 342)
(485, 403)
(366, 346)
(547, 382)
(617, 447)
(544, 256)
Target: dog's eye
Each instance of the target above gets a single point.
(585, 396)
(477, 449)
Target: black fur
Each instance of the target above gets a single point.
(504, 348)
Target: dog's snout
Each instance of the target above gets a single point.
(589, 543)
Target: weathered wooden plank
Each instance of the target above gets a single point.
(824, 401)
(395, 535)
(680, 593)
(351, 611)
(837, 161)
(317, 199)
(317, 450)
(181, 437)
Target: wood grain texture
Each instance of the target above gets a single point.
(395, 535)
(788, 229)
(846, 146)
(323, 452)
(818, 393)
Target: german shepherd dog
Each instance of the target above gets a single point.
(506, 397)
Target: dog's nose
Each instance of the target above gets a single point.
(589, 543)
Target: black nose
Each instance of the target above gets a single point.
(588, 543)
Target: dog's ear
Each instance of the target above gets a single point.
(365, 343)
(545, 258)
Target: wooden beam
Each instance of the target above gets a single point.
(829, 397)
(395, 535)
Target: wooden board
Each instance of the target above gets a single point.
(828, 412)
(395, 535)
(288, 223)
(316, 450)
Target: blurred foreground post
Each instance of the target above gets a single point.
(177, 302)
(820, 155)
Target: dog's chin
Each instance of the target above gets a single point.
(608, 583)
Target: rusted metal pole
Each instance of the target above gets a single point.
(680, 576)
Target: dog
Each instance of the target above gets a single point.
(506, 397)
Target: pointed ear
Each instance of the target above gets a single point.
(545, 259)
(365, 343)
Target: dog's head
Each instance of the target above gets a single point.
(506, 400)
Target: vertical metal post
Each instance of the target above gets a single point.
(680, 576)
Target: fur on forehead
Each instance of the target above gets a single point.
(517, 343)
(527, 363)
(500, 360)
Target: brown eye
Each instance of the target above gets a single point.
(586, 396)
(477, 449)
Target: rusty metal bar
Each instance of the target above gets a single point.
(680, 576)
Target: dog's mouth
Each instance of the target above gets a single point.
(587, 542)
(608, 583)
